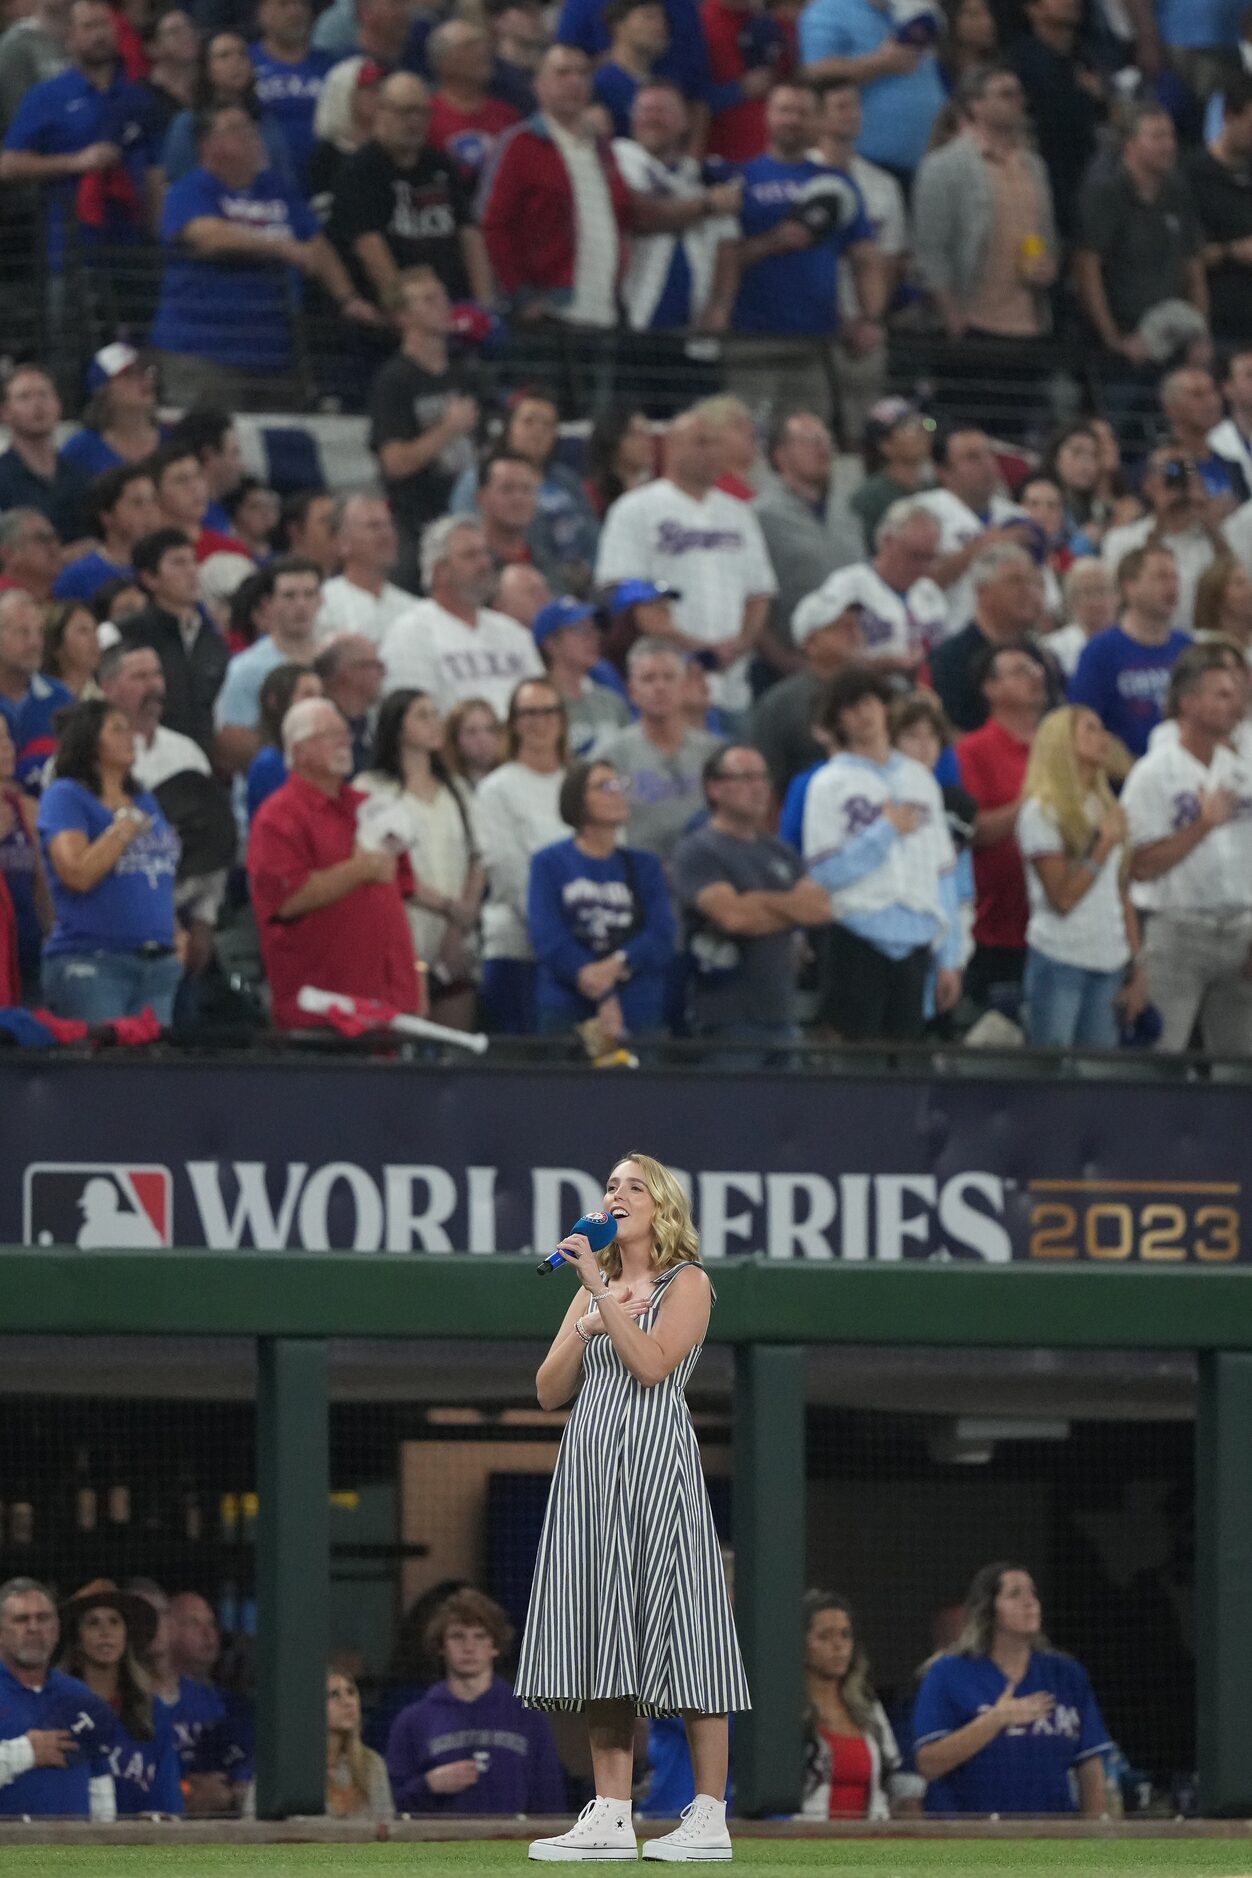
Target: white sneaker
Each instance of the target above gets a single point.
(701, 1836)
(603, 1830)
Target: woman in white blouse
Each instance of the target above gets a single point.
(1082, 940)
(413, 803)
(517, 811)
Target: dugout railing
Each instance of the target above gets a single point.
(774, 1317)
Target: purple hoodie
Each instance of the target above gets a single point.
(518, 1767)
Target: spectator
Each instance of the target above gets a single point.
(972, 515)
(418, 807)
(361, 599)
(119, 420)
(599, 918)
(111, 858)
(518, 811)
(1186, 805)
(620, 456)
(1003, 1723)
(897, 446)
(468, 1745)
(21, 870)
(453, 645)
(32, 475)
(1090, 596)
(236, 237)
(876, 840)
(1138, 241)
(86, 137)
(680, 273)
(1232, 438)
(473, 744)
(1043, 500)
(985, 235)
(744, 896)
(851, 1761)
(681, 526)
(290, 73)
(192, 652)
(901, 90)
(288, 595)
(992, 763)
(29, 553)
(661, 757)
(1083, 935)
(32, 49)
(1072, 459)
(423, 413)
(1193, 409)
(1006, 609)
(902, 611)
(357, 1786)
(172, 45)
(378, 28)
(253, 513)
(209, 433)
(747, 52)
(1065, 97)
(213, 1754)
(308, 524)
(49, 1771)
(329, 911)
(400, 204)
(566, 639)
(466, 120)
(105, 1634)
(519, 42)
(638, 37)
(343, 123)
(521, 592)
(193, 1711)
(29, 702)
(807, 527)
(1223, 604)
(1122, 672)
(562, 537)
(71, 646)
(352, 678)
(1217, 177)
(555, 218)
(1181, 519)
(225, 76)
(122, 508)
(280, 689)
(828, 633)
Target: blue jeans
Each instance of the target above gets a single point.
(99, 986)
(1068, 1007)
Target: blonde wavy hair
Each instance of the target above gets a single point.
(357, 1756)
(1055, 781)
(675, 1240)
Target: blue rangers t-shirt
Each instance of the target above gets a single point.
(63, 1702)
(289, 89)
(63, 115)
(1023, 1770)
(146, 1773)
(230, 310)
(134, 903)
(194, 1722)
(1124, 682)
(31, 722)
(791, 293)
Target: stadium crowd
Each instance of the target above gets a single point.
(774, 708)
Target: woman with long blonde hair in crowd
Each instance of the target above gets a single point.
(851, 1761)
(357, 1786)
(1082, 940)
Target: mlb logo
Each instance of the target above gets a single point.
(98, 1207)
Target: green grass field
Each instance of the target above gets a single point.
(1023, 1858)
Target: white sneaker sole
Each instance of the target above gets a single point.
(688, 1854)
(581, 1855)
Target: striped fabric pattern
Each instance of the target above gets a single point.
(629, 1595)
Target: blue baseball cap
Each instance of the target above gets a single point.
(639, 593)
(558, 614)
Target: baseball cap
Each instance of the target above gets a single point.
(109, 361)
(889, 414)
(816, 611)
(558, 614)
(639, 593)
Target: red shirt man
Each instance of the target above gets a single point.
(992, 762)
(328, 913)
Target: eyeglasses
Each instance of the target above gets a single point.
(614, 785)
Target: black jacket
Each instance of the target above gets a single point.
(192, 679)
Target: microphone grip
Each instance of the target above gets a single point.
(552, 1263)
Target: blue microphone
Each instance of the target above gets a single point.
(600, 1230)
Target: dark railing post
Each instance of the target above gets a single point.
(769, 1573)
(1223, 1589)
(293, 1574)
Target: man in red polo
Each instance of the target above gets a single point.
(329, 912)
(992, 763)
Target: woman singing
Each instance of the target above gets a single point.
(628, 1611)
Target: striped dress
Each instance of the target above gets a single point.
(629, 1596)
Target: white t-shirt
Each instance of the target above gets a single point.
(958, 526)
(1162, 795)
(711, 550)
(517, 814)
(347, 608)
(1093, 933)
(593, 302)
(845, 798)
(650, 255)
(894, 625)
(435, 837)
(1192, 550)
(169, 754)
(432, 650)
(1066, 645)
